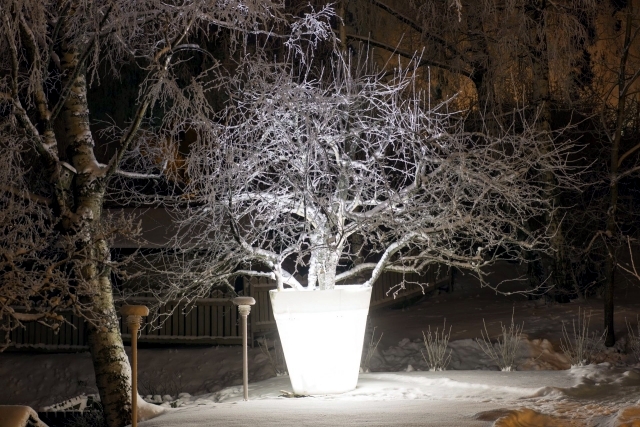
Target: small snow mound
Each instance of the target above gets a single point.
(601, 381)
(530, 418)
(19, 416)
(539, 354)
(147, 411)
(628, 417)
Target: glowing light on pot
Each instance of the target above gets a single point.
(322, 332)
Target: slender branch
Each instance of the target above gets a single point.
(26, 195)
(136, 175)
(80, 65)
(253, 273)
(411, 23)
(37, 66)
(14, 58)
(126, 139)
(372, 265)
(309, 213)
(34, 317)
(627, 173)
(54, 35)
(283, 277)
(384, 259)
(19, 111)
(421, 63)
(629, 84)
(633, 270)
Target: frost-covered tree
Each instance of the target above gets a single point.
(58, 173)
(307, 158)
(495, 55)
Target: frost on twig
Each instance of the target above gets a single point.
(581, 345)
(503, 351)
(320, 170)
(436, 347)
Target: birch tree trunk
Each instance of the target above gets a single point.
(54, 50)
(110, 362)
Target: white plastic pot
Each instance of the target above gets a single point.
(322, 332)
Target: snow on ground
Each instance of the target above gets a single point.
(597, 395)
(198, 385)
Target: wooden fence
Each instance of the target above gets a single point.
(71, 335)
(213, 320)
(208, 321)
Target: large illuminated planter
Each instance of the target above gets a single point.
(322, 332)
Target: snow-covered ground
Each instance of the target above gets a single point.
(197, 386)
(597, 395)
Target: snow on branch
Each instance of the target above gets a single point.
(336, 169)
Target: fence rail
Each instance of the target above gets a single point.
(212, 320)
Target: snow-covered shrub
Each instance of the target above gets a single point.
(370, 350)
(581, 346)
(503, 351)
(436, 344)
(275, 356)
(634, 339)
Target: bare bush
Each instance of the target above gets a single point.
(634, 339)
(160, 386)
(581, 345)
(275, 356)
(503, 351)
(436, 346)
(371, 349)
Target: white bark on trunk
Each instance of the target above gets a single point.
(110, 362)
(323, 263)
(326, 264)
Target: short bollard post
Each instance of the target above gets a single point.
(244, 308)
(134, 314)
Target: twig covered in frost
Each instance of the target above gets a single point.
(581, 345)
(503, 351)
(311, 167)
(634, 339)
(371, 349)
(436, 345)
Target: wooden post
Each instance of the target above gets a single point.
(244, 308)
(134, 315)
